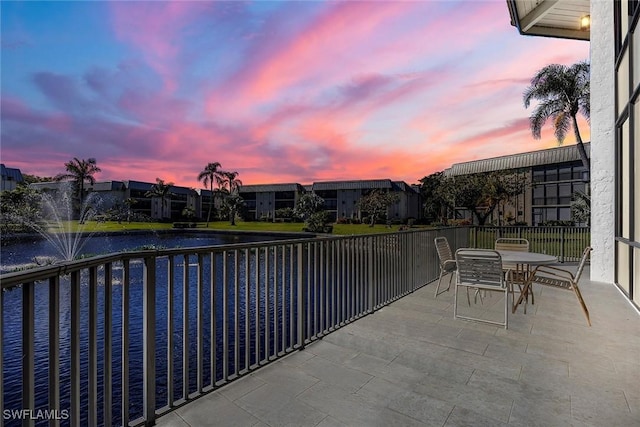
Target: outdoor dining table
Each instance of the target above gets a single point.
(525, 260)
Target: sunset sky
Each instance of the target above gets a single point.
(279, 91)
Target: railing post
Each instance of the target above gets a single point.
(75, 349)
(302, 322)
(125, 341)
(93, 347)
(54, 347)
(108, 345)
(149, 340)
(28, 350)
(562, 236)
(1, 355)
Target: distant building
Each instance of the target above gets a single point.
(555, 175)
(10, 178)
(341, 198)
(263, 200)
(114, 195)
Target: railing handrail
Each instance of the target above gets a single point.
(11, 279)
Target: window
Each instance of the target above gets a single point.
(538, 195)
(552, 194)
(564, 214)
(564, 173)
(564, 193)
(538, 175)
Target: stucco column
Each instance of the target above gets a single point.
(602, 141)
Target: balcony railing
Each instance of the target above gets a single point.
(567, 243)
(127, 337)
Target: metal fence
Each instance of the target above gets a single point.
(124, 338)
(567, 243)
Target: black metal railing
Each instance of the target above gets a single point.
(124, 338)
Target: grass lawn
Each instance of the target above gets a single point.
(289, 227)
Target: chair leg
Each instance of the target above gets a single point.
(442, 273)
(506, 309)
(439, 280)
(581, 301)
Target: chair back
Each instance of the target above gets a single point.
(443, 249)
(583, 261)
(480, 267)
(512, 244)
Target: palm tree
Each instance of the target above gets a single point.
(231, 185)
(129, 202)
(80, 171)
(210, 174)
(563, 92)
(160, 189)
(230, 182)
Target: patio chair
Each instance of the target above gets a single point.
(563, 279)
(518, 274)
(480, 269)
(447, 261)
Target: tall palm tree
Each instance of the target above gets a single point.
(160, 189)
(210, 174)
(79, 171)
(563, 92)
(231, 184)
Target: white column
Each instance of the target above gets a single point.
(602, 141)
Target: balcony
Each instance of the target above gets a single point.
(411, 363)
(327, 331)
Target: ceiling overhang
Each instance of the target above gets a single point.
(550, 18)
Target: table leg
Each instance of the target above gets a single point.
(524, 293)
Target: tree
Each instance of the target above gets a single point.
(160, 189)
(482, 193)
(581, 207)
(309, 209)
(233, 204)
(129, 202)
(210, 174)
(437, 203)
(230, 186)
(563, 92)
(19, 208)
(80, 171)
(231, 182)
(376, 203)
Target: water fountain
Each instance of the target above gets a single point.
(58, 223)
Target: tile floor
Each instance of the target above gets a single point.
(412, 364)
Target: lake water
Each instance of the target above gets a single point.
(22, 253)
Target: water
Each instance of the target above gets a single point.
(27, 252)
(21, 253)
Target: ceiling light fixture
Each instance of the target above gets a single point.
(585, 23)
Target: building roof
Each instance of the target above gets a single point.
(271, 188)
(403, 186)
(108, 186)
(551, 18)
(10, 174)
(568, 153)
(353, 185)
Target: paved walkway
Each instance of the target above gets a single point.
(412, 364)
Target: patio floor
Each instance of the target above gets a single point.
(411, 363)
